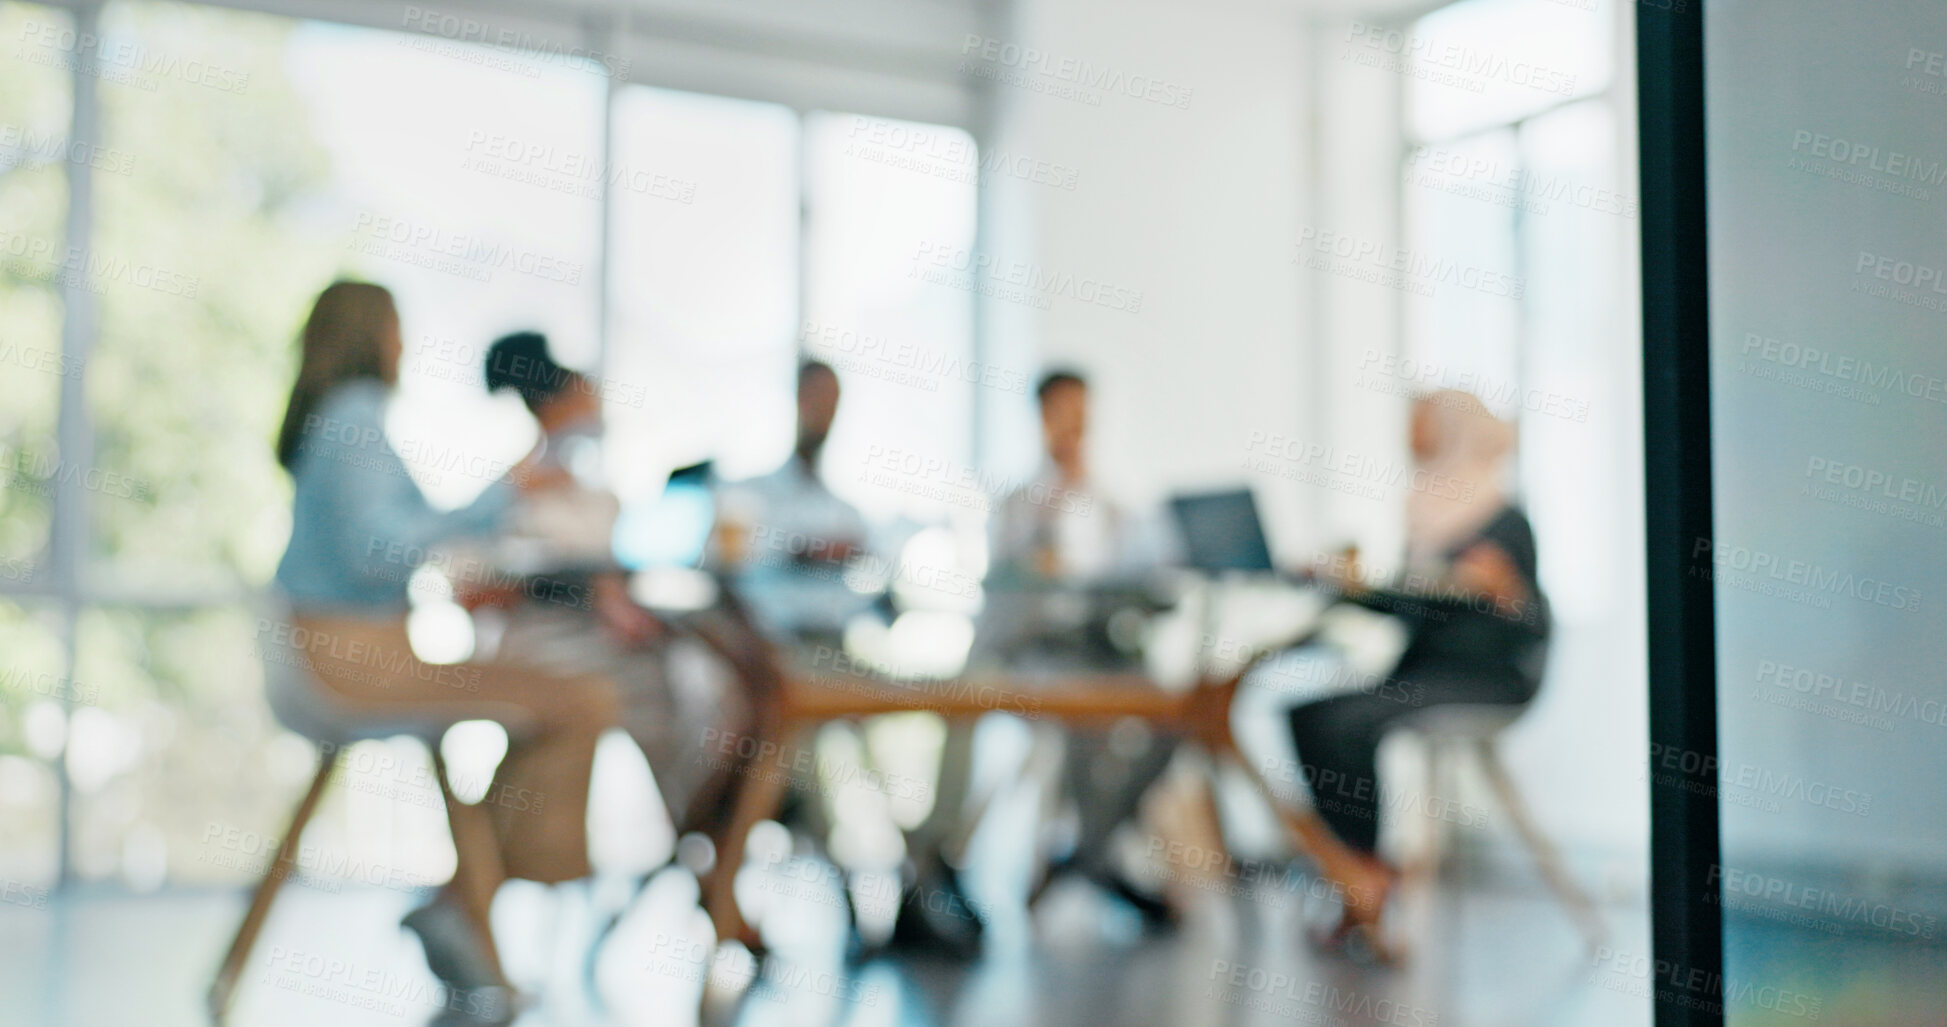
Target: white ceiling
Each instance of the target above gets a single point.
(895, 58)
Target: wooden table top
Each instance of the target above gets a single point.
(1062, 696)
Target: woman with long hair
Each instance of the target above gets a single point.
(1477, 632)
(360, 527)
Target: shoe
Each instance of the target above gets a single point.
(475, 991)
(1154, 910)
(937, 918)
(490, 1006)
(1360, 930)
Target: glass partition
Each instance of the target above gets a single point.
(1828, 293)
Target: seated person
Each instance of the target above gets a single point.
(784, 539)
(562, 529)
(1477, 632)
(1059, 534)
(354, 506)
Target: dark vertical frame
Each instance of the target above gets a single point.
(1686, 924)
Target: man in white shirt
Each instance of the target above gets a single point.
(786, 537)
(786, 540)
(1058, 534)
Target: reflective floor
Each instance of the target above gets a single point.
(337, 958)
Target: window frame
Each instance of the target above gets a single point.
(911, 85)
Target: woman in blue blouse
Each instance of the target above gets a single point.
(359, 528)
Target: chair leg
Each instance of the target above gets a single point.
(477, 871)
(1581, 908)
(223, 989)
(1423, 866)
(757, 795)
(1204, 820)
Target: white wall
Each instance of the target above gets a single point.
(1195, 207)
(1203, 209)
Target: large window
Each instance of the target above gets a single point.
(703, 284)
(883, 196)
(239, 162)
(1519, 216)
(37, 688)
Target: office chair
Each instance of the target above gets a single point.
(1449, 733)
(303, 705)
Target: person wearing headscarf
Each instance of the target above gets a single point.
(1476, 619)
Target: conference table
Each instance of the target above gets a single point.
(791, 697)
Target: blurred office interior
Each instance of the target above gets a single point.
(1260, 228)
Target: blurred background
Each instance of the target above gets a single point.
(1246, 221)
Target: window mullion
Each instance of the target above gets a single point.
(74, 435)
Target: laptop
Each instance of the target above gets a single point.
(1222, 531)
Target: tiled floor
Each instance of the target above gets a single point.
(338, 959)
